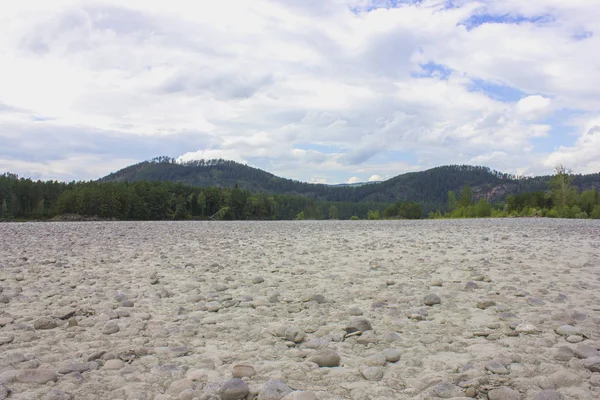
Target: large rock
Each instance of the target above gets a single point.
(372, 373)
(585, 351)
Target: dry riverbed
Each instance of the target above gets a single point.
(487, 309)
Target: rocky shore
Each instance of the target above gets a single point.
(485, 309)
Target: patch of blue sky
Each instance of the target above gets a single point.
(497, 91)
(480, 19)
(377, 4)
(387, 157)
(562, 133)
(432, 69)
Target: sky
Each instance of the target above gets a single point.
(326, 91)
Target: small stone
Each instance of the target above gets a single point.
(355, 311)
(372, 373)
(113, 365)
(526, 328)
(233, 389)
(549, 395)
(585, 351)
(483, 304)
(258, 279)
(6, 338)
(574, 339)
(39, 376)
(65, 313)
(325, 358)
(243, 371)
(376, 360)
(595, 380)
(299, 395)
(127, 303)
(4, 392)
(319, 298)
(110, 328)
(592, 363)
(43, 323)
(504, 393)
(563, 353)
(471, 285)
(446, 390)
(294, 335)
(391, 355)
(274, 390)
(358, 325)
(496, 368)
(566, 330)
(534, 301)
(6, 321)
(431, 299)
(471, 392)
(180, 385)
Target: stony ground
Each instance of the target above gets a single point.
(490, 309)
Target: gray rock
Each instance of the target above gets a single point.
(243, 370)
(325, 358)
(376, 360)
(372, 373)
(274, 390)
(127, 303)
(563, 353)
(534, 301)
(595, 380)
(73, 367)
(300, 396)
(504, 393)
(179, 386)
(446, 390)
(566, 330)
(113, 365)
(294, 335)
(39, 376)
(391, 355)
(496, 368)
(110, 328)
(592, 363)
(355, 311)
(471, 285)
(319, 298)
(431, 299)
(233, 389)
(258, 279)
(549, 395)
(65, 313)
(483, 304)
(585, 351)
(44, 323)
(574, 339)
(359, 325)
(4, 299)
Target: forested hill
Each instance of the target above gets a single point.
(428, 187)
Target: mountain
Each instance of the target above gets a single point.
(428, 187)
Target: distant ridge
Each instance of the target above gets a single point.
(428, 187)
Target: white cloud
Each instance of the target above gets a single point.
(354, 179)
(303, 89)
(375, 178)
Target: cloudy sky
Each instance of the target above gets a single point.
(315, 90)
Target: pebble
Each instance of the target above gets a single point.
(273, 390)
(391, 355)
(39, 376)
(592, 363)
(300, 395)
(43, 323)
(574, 339)
(446, 390)
(358, 325)
(566, 330)
(549, 395)
(585, 351)
(110, 328)
(563, 353)
(431, 299)
(496, 368)
(6, 321)
(372, 373)
(503, 393)
(114, 364)
(483, 304)
(243, 371)
(325, 358)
